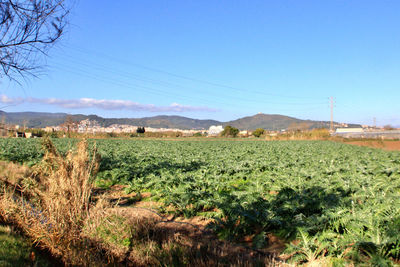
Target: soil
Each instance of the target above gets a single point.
(195, 233)
(194, 230)
(382, 144)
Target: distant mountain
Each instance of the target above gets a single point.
(274, 122)
(33, 119)
(163, 121)
(41, 119)
(265, 121)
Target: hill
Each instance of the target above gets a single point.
(265, 121)
(274, 122)
(42, 119)
(33, 119)
(163, 121)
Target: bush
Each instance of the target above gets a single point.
(230, 131)
(258, 132)
(53, 204)
(140, 130)
(52, 134)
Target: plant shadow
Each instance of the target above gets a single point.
(252, 216)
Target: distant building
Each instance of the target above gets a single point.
(48, 129)
(361, 133)
(215, 130)
(349, 130)
(244, 133)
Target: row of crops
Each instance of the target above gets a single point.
(335, 200)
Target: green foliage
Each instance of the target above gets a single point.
(16, 251)
(140, 130)
(230, 131)
(339, 201)
(311, 247)
(114, 230)
(29, 150)
(53, 134)
(258, 132)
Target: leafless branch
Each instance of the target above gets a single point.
(28, 28)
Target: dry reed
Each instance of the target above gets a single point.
(51, 205)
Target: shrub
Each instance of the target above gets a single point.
(112, 135)
(53, 203)
(140, 130)
(230, 131)
(258, 132)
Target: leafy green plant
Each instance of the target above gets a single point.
(253, 188)
(258, 132)
(310, 247)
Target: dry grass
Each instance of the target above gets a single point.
(314, 134)
(391, 145)
(52, 204)
(13, 173)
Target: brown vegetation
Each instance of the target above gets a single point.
(391, 145)
(51, 205)
(314, 134)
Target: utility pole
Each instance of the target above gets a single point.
(374, 122)
(331, 101)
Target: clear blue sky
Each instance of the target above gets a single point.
(223, 60)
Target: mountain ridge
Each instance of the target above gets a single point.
(265, 121)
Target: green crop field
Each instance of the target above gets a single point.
(335, 200)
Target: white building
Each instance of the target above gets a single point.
(215, 130)
(349, 130)
(244, 133)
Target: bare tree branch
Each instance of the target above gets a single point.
(28, 28)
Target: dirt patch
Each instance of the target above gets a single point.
(382, 144)
(193, 234)
(193, 230)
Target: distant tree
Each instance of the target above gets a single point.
(70, 125)
(302, 126)
(140, 130)
(28, 28)
(3, 126)
(230, 131)
(112, 135)
(52, 134)
(388, 127)
(258, 132)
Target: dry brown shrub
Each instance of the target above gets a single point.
(13, 173)
(52, 205)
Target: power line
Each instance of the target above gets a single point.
(89, 52)
(123, 73)
(85, 73)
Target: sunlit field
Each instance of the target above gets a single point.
(324, 200)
